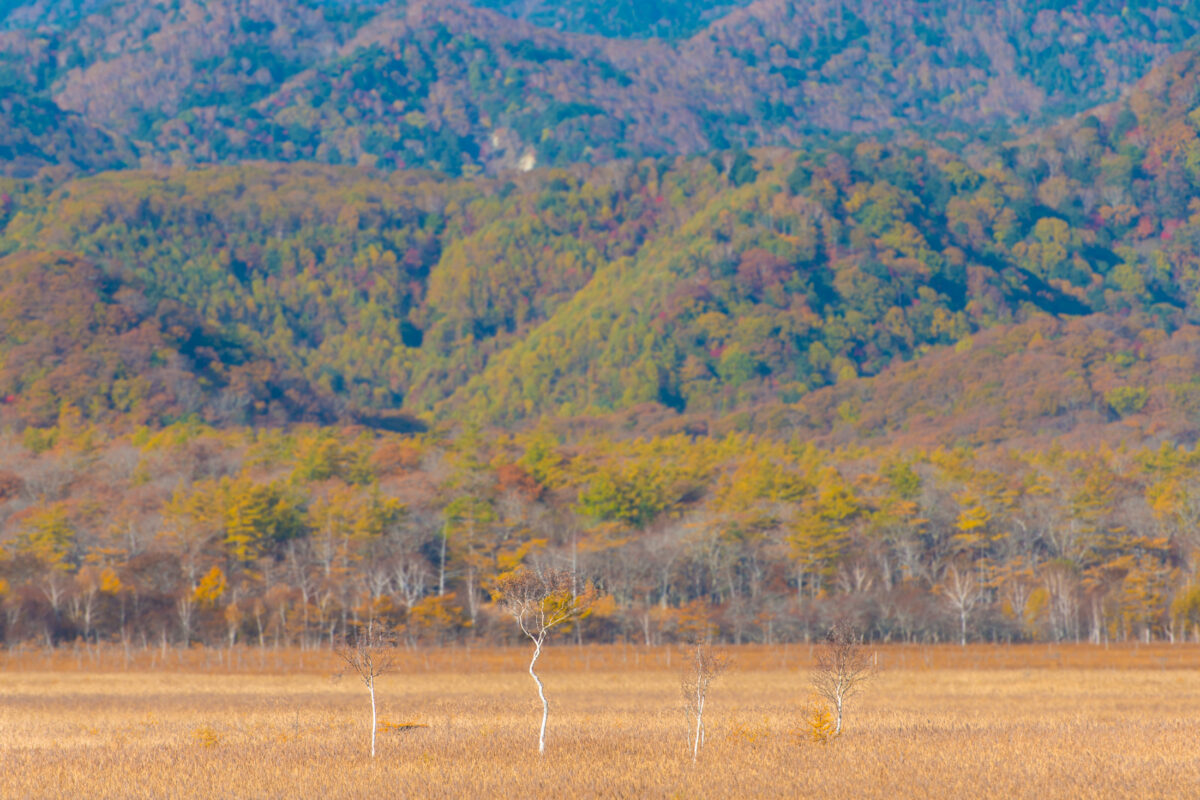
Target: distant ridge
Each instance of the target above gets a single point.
(457, 88)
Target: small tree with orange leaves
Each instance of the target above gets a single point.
(540, 602)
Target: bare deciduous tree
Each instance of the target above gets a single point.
(702, 666)
(963, 592)
(842, 668)
(539, 602)
(369, 654)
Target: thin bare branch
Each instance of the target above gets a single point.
(843, 667)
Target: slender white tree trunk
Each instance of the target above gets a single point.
(374, 724)
(699, 726)
(537, 651)
(442, 568)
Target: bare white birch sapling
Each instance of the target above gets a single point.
(702, 666)
(540, 602)
(843, 666)
(369, 655)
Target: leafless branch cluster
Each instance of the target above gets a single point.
(368, 654)
(843, 667)
(702, 666)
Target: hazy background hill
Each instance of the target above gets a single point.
(628, 19)
(459, 88)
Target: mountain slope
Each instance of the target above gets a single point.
(76, 337)
(622, 19)
(459, 88)
(769, 282)
(707, 286)
(35, 132)
(1078, 382)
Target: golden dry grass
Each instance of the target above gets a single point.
(937, 722)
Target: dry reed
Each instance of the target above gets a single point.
(1064, 721)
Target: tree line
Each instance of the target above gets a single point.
(301, 536)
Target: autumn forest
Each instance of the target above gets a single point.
(756, 317)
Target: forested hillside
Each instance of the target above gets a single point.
(458, 88)
(313, 314)
(624, 19)
(736, 282)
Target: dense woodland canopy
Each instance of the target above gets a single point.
(666, 19)
(194, 534)
(458, 88)
(756, 289)
(289, 343)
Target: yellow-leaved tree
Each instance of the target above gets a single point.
(540, 602)
(819, 536)
(48, 535)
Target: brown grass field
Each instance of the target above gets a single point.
(939, 722)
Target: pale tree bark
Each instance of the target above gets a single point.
(702, 666)
(442, 565)
(539, 602)
(963, 592)
(842, 668)
(369, 656)
(537, 651)
(374, 722)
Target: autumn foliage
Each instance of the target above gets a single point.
(301, 536)
(940, 384)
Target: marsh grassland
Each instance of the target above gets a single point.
(1032, 721)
